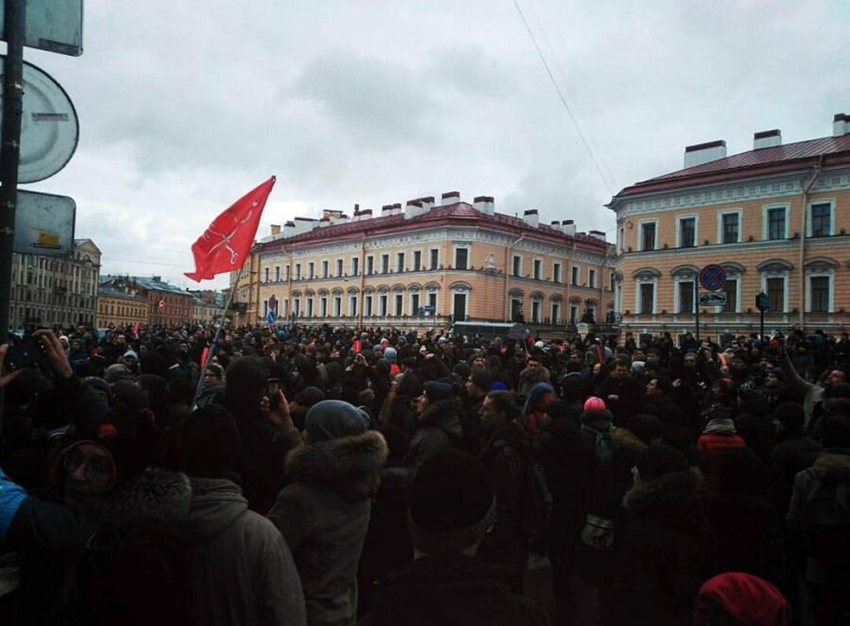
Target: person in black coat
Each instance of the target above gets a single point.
(663, 562)
(794, 451)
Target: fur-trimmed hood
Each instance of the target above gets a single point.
(671, 499)
(624, 438)
(350, 466)
(156, 494)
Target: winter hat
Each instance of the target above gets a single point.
(330, 419)
(638, 367)
(452, 505)
(791, 415)
(127, 393)
(436, 391)
(209, 441)
(116, 372)
(593, 404)
(777, 371)
(742, 599)
(660, 459)
(101, 386)
(391, 354)
(131, 354)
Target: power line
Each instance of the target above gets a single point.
(563, 99)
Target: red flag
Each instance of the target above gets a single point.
(225, 243)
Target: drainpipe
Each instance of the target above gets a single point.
(507, 258)
(803, 213)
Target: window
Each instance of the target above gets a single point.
(776, 225)
(355, 266)
(461, 258)
(435, 257)
(266, 275)
(367, 305)
(309, 307)
(323, 306)
(370, 265)
(352, 306)
(556, 272)
(538, 264)
(399, 262)
(536, 311)
(573, 314)
(730, 227)
(287, 272)
(324, 269)
(687, 232)
(277, 273)
(414, 304)
(819, 293)
(591, 279)
(337, 306)
(296, 307)
(385, 263)
(432, 301)
(730, 288)
(686, 296)
(297, 271)
(516, 309)
(556, 312)
(775, 288)
(399, 304)
(821, 220)
(338, 268)
(516, 268)
(310, 267)
(647, 235)
(417, 260)
(382, 304)
(575, 275)
(646, 293)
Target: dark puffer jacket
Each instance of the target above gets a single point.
(664, 548)
(438, 429)
(324, 514)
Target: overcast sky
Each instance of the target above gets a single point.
(185, 105)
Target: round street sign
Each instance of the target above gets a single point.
(49, 127)
(712, 277)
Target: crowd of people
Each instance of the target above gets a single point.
(333, 476)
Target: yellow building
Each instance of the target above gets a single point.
(774, 218)
(429, 265)
(120, 307)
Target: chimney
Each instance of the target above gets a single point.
(427, 203)
(531, 217)
(840, 125)
(412, 209)
(767, 139)
(366, 214)
(325, 221)
(485, 205)
(597, 234)
(275, 230)
(704, 153)
(569, 227)
(450, 197)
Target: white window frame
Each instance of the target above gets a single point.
(554, 311)
(465, 292)
(811, 205)
(575, 269)
(765, 218)
(537, 269)
(354, 266)
(574, 314)
(679, 220)
(323, 306)
(340, 267)
(433, 292)
(414, 310)
(383, 304)
(557, 272)
(309, 305)
(591, 278)
(324, 269)
(367, 305)
(640, 234)
(468, 249)
(516, 268)
(311, 270)
(431, 252)
(784, 275)
(720, 214)
(536, 317)
(398, 304)
(738, 285)
(297, 271)
(820, 274)
(413, 261)
(644, 281)
(352, 305)
(296, 307)
(677, 280)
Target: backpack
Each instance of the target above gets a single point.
(600, 442)
(826, 521)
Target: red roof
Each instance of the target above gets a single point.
(765, 161)
(458, 212)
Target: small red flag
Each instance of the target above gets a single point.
(225, 243)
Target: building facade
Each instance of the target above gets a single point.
(165, 304)
(429, 265)
(120, 306)
(775, 218)
(50, 291)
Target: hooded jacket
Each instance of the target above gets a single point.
(438, 429)
(243, 571)
(324, 513)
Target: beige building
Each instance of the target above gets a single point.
(120, 307)
(775, 218)
(49, 291)
(165, 304)
(429, 265)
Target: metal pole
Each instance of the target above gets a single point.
(696, 310)
(13, 95)
(761, 327)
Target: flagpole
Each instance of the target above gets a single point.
(214, 343)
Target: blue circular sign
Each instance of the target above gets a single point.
(712, 277)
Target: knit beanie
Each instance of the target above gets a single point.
(309, 396)
(436, 391)
(452, 504)
(391, 354)
(330, 419)
(744, 598)
(209, 442)
(658, 460)
(593, 404)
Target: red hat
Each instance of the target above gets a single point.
(593, 404)
(746, 598)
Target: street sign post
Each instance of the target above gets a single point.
(712, 277)
(763, 305)
(52, 25)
